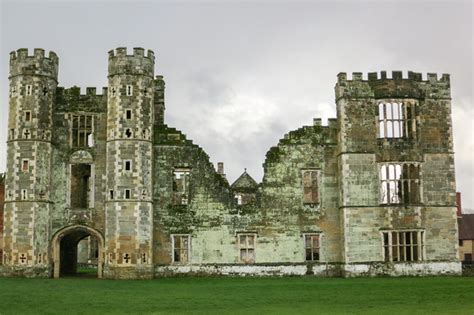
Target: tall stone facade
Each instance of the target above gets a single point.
(371, 193)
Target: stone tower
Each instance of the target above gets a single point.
(129, 207)
(33, 81)
(396, 159)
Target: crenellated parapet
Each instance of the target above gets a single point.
(71, 99)
(138, 63)
(397, 86)
(21, 63)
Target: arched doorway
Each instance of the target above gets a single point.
(65, 249)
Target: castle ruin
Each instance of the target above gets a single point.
(371, 193)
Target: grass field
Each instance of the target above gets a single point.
(441, 295)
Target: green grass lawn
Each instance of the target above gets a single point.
(306, 295)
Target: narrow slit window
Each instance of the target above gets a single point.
(128, 114)
(25, 167)
(29, 90)
(111, 194)
(27, 116)
(128, 193)
(129, 90)
(128, 165)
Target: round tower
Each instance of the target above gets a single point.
(33, 81)
(130, 117)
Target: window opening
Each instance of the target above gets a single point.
(181, 248)
(246, 242)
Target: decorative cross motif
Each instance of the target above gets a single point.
(23, 259)
(26, 133)
(113, 91)
(143, 258)
(145, 91)
(45, 91)
(126, 258)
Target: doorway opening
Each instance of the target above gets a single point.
(78, 252)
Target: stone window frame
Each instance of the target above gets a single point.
(84, 132)
(400, 186)
(128, 114)
(404, 249)
(184, 201)
(247, 250)
(318, 182)
(186, 251)
(24, 194)
(319, 235)
(127, 196)
(396, 119)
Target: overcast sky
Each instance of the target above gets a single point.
(239, 75)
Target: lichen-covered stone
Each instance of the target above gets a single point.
(107, 165)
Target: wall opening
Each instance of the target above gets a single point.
(80, 186)
(78, 252)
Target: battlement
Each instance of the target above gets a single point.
(395, 75)
(77, 91)
(21, 63)
(136, 64)
(376, 85)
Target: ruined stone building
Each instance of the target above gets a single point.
(371, 193)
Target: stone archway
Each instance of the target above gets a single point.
(64, 249)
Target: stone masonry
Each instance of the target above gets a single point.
(371, 193)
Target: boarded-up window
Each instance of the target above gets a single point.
(311, 244)
(310, 186)
(181, 247)
(403, 245)
(180, 194)
(246, 242)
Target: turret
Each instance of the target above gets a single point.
(130, 117)
(33, 81)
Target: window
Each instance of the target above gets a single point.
(82, 130)
(111, 194)
(238, 198)
(181, 246)
(128, 165)
(310, 187)
(246, 242)
(468, 258)
(26, 133)
(128, 133)
(400, 183)
(461, 243)
(27, 116)
(24, 194)
(128, 193)
(396, 120)
(403, 245)
(180, 194)
(29, 90)
(129, 90)
(128, 114)
(311, 245)
(25, 166)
